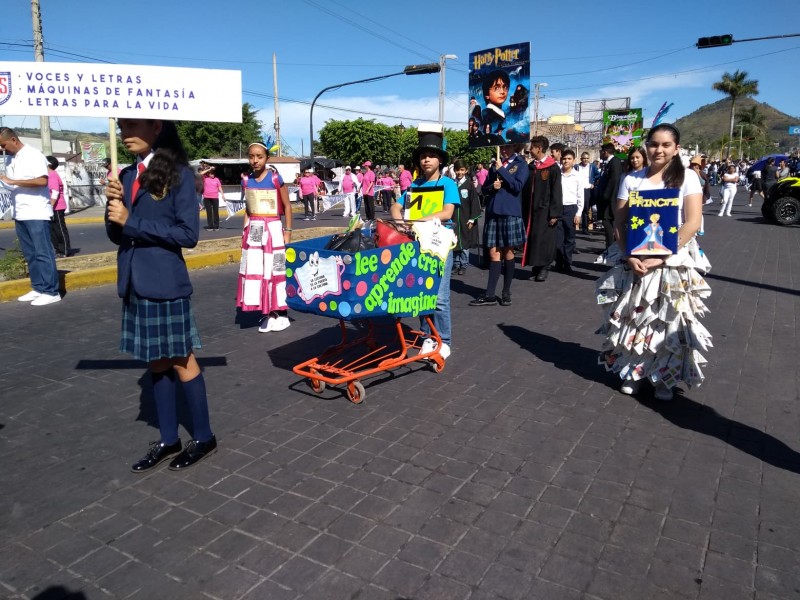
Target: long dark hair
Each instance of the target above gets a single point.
(164, 170)
(674, 173)
(641, 152)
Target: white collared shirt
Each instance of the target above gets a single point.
(572, 190)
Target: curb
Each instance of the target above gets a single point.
(96, 220)
(86, 278)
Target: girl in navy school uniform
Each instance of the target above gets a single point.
(152, 214)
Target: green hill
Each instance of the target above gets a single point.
(709, 123)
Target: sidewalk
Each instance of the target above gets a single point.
(519, 472)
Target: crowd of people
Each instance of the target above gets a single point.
(532, 202)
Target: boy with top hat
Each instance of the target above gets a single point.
(429, 158)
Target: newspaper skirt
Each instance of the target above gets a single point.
(652, 324)
(262, 270)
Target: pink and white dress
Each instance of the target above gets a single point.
(262, 270)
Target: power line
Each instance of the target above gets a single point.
(697, 70)
(366, 30)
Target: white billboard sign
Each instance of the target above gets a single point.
(133, 91)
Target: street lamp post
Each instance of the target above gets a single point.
(536, 87)
(442, 62)
(409, 70)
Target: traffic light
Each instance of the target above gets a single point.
(714, 41)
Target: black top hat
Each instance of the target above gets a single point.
(431, 137)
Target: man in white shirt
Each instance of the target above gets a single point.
(26, 177)
(572, 186)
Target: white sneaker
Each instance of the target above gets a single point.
(601, 260)
(444, 351)
(45, 299)
(709, 201)
(265, 325)
(280, 323)
(428, 346)
(32, 295)
(663, 393)
(630, 387)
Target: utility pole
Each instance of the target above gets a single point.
(442, 62)
(38, 52)
(741, 128)
(536, 87)
(277, 113)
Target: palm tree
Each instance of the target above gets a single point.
(735, 85)
(754, 121)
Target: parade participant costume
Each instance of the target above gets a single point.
(262, 270)
(652, 323)
(424, 199)
(543, 204)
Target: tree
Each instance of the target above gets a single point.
(735, 86)
(222, 140)
(754, 121)
(458, 147)
(353, 142)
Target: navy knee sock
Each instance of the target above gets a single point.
(494, 277)
(508, 275)
(164, 395)
(195, 393)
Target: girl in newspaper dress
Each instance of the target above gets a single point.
(653, 303)
(262, 271)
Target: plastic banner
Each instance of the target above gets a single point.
(395, 281)
(93, 151)
(624, 129)
(499, 96)
(108, 90)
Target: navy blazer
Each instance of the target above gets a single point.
(507, 200)
(149, 259)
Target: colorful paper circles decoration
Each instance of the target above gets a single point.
(361, 288)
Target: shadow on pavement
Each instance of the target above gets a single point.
(688, 414)
(568, 356)
(59, 592)
(129, 363)
(756, 284)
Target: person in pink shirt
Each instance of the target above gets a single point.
(405, 177)
(387, 182)
(368, 189)
(212, 196)
(309, 190)
(349, 187)
(58, 226)
(481, 173)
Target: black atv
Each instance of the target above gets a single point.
(782, 205)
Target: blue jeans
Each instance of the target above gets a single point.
(441, 316)
(460, 259)
(34, 239)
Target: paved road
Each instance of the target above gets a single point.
(518, 472)
(91, 238)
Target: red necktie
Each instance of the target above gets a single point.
(135, 188)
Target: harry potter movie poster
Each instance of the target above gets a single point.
(499, 96)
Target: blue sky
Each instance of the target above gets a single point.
(581, 50)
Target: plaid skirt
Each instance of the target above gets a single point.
(153, 329)
(503, 231)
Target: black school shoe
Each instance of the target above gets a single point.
(505, 300)
(484, 301)
(193, 453)
(541, 275)
(157, 454)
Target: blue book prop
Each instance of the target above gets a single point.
(652, 228)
